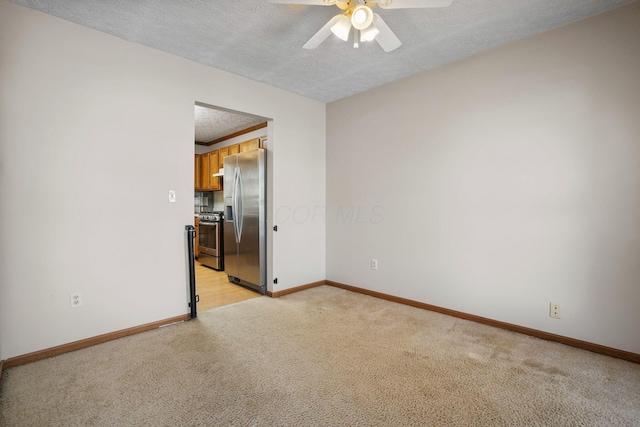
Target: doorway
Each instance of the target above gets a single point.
(219, 132)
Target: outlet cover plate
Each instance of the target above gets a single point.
(555, 310)
(75, 300)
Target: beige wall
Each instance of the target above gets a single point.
(501, 183)
(94, 131)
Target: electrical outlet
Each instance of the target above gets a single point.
(374, 264)
(554, 310)
(76, 300)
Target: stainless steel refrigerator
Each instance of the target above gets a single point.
(245, 257)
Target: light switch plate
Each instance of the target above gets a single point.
(172, 196)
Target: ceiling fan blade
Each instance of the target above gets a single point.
(409, 4)
(312, 2)
(386, 39)
(322, 34)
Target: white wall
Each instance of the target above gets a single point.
(94, 131)
(500, 183)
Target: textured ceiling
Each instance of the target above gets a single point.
(263, 41)
(212, 124)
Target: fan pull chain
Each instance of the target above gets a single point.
(355, 38)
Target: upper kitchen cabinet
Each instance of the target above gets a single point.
(214, 167)
(223, 152)
(206, 165)
(204, 171)
(227, 151)
(249, 145)
(197, 179)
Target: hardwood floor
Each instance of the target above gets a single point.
(216, 291)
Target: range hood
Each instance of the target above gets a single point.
(220, 173)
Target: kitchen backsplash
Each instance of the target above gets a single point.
(208, 201)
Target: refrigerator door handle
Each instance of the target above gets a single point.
(236, 204)
(240, 212)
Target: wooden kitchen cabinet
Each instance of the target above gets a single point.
(249, 145)
(210, 163)
(198, 172)
(222, 153)
(214, 167)
(227, 151)
(204, 171)
(206, 165)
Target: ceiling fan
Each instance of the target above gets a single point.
(366, 24)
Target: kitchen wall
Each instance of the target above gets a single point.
(500, 183)
(94, 132)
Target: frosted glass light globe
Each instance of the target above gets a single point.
(361, 17)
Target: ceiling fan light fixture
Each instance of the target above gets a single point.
(342, 28)
(369, 34)
(361, 17)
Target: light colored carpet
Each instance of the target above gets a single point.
(323, 357)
